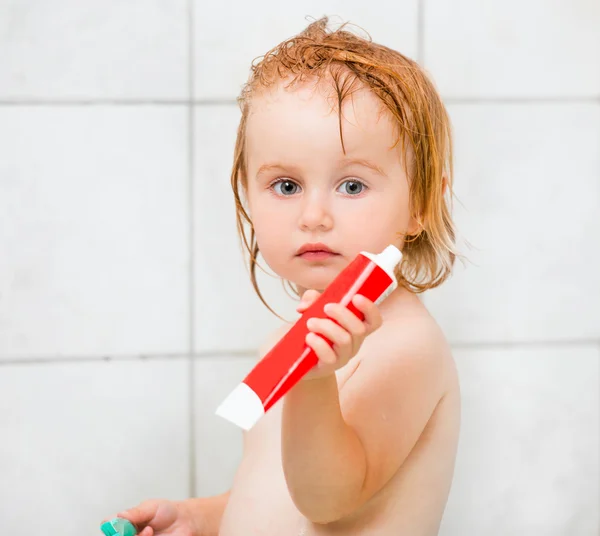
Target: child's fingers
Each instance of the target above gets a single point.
(133, 515)
(368, 308)
(332, 331)
(308, 298)
(324, 352)
(140, 514)
(346, 318)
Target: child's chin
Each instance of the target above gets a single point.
(319, 283)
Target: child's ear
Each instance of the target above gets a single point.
(414, 226)
(444, 183)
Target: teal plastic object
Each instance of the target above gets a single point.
(118, 527)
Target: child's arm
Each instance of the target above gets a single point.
(338, 450)
(206, 513)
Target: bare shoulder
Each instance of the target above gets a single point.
(411, 337)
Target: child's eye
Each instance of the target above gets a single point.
(353, 187)
(287, 187)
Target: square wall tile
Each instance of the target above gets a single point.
(528, 454)
(67, 49)
(229, 314)
(82, 441)
(516, 48)
(225, 46)
(219, 443)
(93, 231)
(528, 202)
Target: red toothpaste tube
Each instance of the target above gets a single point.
(291, 358)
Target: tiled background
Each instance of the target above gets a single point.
(126, 313)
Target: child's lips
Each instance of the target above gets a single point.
(317, 255)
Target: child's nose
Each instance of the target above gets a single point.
(315, 215)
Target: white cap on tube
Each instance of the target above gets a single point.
(242, 407)
(387, 259)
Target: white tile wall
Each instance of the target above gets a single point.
(82, 441)
(528, 460)
(229, 314)
(93, 231)
(218, 442)
(515, 48)
(66, 49)
(94, 252)
(528, 187)
(226, 45)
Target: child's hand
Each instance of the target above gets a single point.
(160, 518)
(343, 328)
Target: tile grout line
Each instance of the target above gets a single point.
(83, 360)
(119, 102)
(251, 353)
(96, 102)
(24, 361)
(491, 345)
(191, 293)
(523, 100)
(232, 102)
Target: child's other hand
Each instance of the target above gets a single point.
(160, 517)
(343, 328)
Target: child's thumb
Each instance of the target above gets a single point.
(308, 298)
(140, 514)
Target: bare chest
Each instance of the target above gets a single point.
(411, 503)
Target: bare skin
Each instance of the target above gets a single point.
(412, 501)
(366, 445)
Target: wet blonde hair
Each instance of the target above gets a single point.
(349, 62)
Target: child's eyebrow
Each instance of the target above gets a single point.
(362, 162)
(275, 167)
(343, 164)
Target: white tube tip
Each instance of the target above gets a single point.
(242, 407)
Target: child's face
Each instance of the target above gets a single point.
(350, 202)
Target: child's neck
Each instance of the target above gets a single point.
(398, 301)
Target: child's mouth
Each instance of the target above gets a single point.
(317, 255)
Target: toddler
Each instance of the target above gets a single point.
(343, 146)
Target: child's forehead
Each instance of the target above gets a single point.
(289, 123)
(359, 107)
